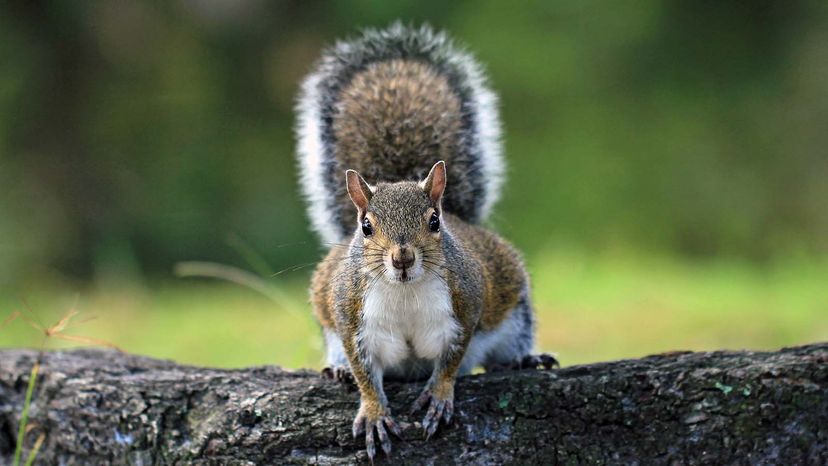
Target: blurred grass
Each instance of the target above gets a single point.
(590, 308)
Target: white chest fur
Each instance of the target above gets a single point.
(407, 320)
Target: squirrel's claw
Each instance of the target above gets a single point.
(370, 447)
(438, 410)
(421, 401)
(376, 430)
(385, 442)
(340, 374)
(359, 426)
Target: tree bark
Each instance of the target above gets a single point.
(104, 407)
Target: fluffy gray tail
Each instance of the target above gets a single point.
(390, 104)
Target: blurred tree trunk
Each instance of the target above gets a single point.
(679, 408)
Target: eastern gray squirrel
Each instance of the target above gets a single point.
(412, 288)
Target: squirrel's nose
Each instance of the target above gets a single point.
(403, 258)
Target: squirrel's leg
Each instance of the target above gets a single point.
(438, 393)
(373, 417)
(337, 368)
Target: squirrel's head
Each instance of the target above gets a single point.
(400, 224)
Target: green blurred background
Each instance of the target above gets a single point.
(668, 169)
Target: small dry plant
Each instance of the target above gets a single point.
(54, 331)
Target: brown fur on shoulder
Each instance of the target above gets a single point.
(504, 275)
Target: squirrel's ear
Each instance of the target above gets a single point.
(435, 182)
(359, 190)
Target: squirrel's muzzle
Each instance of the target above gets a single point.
(402, 258)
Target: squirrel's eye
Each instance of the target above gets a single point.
(434, 223)
(367, 229)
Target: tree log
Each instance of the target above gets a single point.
(105, 407)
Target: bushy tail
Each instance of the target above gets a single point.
(390, 104)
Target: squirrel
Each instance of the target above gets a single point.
(413, 288)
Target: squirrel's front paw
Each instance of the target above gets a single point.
(439, 408)
(370, 424)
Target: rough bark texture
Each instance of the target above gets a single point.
(102, 407)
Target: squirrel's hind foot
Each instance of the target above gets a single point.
(543, 361)
(341, 374)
